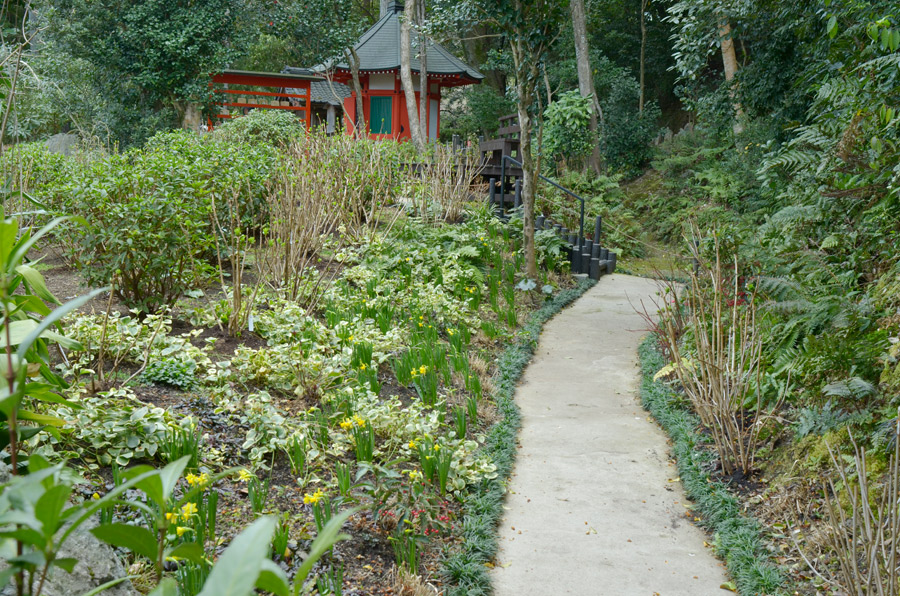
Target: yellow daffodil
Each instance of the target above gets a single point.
(95, 496)
(437, 447)
(359, 421)
(363, 366)
(188, 510)
(244, 475)
(423, 369)
(180, 530)
(312, 499)
(346, 424)
(412, 444)
(170, 517)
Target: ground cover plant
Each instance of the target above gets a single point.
(348, 384)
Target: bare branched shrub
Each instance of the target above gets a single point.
(445, 180)
(865, 538)
(330, 190)
(232, 242)
(721, 368)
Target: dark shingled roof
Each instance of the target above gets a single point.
(379, 49)
(323, 91)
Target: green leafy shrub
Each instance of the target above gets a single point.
(567, 134)
(273, 127)
(175, 373)
(626, 136)
(150, 212)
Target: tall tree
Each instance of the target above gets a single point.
(585, 75)
(730, 64)
(409, 15)
(154, 56)
(644, 4)
(423, 71)
(530, 26)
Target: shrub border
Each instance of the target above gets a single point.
(737, 537)
(465, 571)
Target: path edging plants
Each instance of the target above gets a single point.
(737, 537)
(466, 570)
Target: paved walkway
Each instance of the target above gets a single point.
(594, 505)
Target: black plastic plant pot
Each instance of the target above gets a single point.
(575, 260)
(604, 254)
(611, 263)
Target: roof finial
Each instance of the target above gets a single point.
(389, 7)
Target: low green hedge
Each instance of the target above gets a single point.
(465, 571)
(737, 537)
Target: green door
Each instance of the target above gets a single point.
(380, 115)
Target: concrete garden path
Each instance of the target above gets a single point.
(594, 505)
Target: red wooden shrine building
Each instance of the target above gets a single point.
(384, 103)
(287, 91)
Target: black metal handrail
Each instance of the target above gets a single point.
(545, 179)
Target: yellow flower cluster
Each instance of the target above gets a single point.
(187, 511)
(244, 475)
(312, 499)
(198, 480)
(349, 423)
(419, 371)
(363, 366)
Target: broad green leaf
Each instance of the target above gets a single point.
(67, 563)
(187, 550)
(49, 507)
(831, 27)
(41, 418)
(171, 473)
(36, 282)
(272, 579)
(166, 587)
(237, 570)
(137, 539)
(330, 535)
(55, 316)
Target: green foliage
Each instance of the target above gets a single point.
(567, 135)
(114, 38)
(473, 111)
(175, 373)
(603, 196)
(150, 210)
(626, 135)
(272, 127)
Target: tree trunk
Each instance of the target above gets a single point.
(729, 61)
(526, 83)
(409, 12)
(423, 73)
(644, 4)
(585, 75)
(359, 126)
